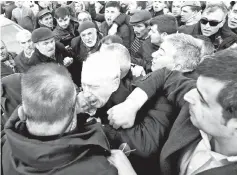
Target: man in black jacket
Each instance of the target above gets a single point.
(203, 137)
(47, 125)
(104, 92)
(47, 50)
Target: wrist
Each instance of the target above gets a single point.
(137, 98)
(115, 25)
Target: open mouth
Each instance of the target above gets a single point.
(109, 19)
(137, 34)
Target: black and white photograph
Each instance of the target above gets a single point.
(118, 87)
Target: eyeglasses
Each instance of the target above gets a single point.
(212, 23)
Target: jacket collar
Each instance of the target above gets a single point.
(54, 153)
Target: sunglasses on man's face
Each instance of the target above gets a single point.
(212, 23)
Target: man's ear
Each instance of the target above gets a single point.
(116, 83)
(222, 23)
(40, 21)
(232, 125)
(36, 45)
(21, 113)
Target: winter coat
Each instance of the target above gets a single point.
(183, 133)
(60, 54)
(22, 62)
(82, 151)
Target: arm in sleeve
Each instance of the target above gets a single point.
(122, 19)
(95, 16)
(146, 136)
(63, 50)
(125, 35)
(174, 83)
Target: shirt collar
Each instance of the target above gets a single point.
(206, 140)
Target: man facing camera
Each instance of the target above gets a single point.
(47, 50)
(23, 59)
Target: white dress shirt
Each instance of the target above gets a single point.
(199, 157)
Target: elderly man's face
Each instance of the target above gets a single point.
(211, 22)
(82, 17)
(64, 22)
(111, 13)
(3, 51)
(47, 20)
(164, 57)
(26, 44)
(232, 17)
(46, 47)
(89, 37)
(140, 30)
(97, 87)
(205, 111)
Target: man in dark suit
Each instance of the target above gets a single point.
(203, 138)
(104, 91)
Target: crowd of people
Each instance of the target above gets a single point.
(120, 87)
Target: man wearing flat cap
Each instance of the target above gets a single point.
(47, 50)
(141, 47)
(44, 18)
(82, 46)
